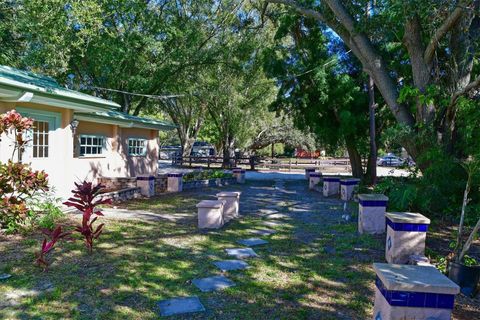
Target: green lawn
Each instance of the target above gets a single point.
(309, 270)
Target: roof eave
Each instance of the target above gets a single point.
(122, 123)
(8, 90)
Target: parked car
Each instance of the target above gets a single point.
(390, 161)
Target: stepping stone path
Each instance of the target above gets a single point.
(230, 265)
(241, 253)
(192, 304)
(180, 305)
(252, 242)
(263, 232)
(213, 283)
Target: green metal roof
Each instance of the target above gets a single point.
(124, 120)
(46, 90)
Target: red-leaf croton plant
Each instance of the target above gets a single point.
(84, 200)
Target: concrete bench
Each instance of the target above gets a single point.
(210, 214)
(412, 292)
(232, 204)
(347, 186)
(331, 186)
(371, 213)
(406, 234)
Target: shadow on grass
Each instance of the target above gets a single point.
(137, 263)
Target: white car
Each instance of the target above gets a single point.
(391, 161)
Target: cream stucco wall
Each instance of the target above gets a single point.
(65, 167)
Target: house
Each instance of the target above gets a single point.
(76, 136)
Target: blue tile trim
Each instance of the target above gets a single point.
(373, 203)
(412, 227)
(310, 169)
(349, 183)
(146, 178)
(415, 299)
(315, 174)
(178, 175)
(330, 179)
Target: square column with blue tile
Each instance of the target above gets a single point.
(331, 186)
(371, 213)
(347, 186)
(412, 292)
(314, 179)
(308, 171)
(406, 234)
(175, 182)
(146, 184)
(239, 174)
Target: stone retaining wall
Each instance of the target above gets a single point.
(118, 183)
(123, 195)
(161, 183)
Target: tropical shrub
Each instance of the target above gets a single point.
(18, 182)
(206, 175)
(48, 245)
(85, 199)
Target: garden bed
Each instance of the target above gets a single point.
(218, 182)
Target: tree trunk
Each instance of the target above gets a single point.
(372, 159)
(355, 158)
(228, 151)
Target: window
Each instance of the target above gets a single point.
(40, 139)
(91, 145)
(137, 147)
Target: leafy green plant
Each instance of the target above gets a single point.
(206, 175)
(472, 166)
(18, 182)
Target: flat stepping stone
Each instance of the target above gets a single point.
(278, 216)
(5, 276)
(241, 253)
(230, 265)
(252, 242)
(272, 224)
(268, 211)
(180, 305)
(213, 283)
(263, 232)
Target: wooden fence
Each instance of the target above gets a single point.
(254, 163)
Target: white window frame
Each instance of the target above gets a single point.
(92, 155)
(136, 147)
(53, 119)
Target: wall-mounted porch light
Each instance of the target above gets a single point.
(74, 125)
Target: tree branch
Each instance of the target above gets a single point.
(472, 85)
(446, 26)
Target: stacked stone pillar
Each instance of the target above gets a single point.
(406, 234)
(371, 213)
(347, 186)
